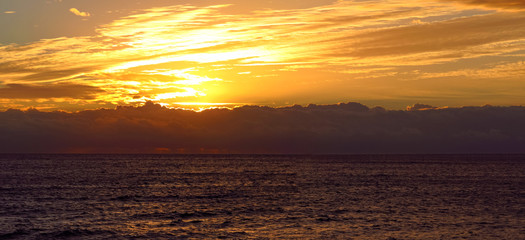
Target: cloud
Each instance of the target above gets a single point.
(339, 128)
(503, 4)
(79, 13)
(26, 91)
(419, 106)
(512, 70)
(442, 37)
(361, 49)
(54, 74)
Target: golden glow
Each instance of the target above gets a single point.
(371, 51)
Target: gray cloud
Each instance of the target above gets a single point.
(419, 106)
(342, 128)
(26, 91)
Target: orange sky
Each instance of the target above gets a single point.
(74, 55)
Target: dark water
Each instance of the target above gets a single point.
(258, 196)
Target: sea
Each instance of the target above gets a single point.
(385, 197)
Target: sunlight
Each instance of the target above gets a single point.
(384, 53)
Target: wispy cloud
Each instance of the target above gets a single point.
(22, 91)
(514, 71)
(498, 4)
(358, 49)
(79, 13)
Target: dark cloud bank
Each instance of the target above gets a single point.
(341, 128)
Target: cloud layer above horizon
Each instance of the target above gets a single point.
(314, 129)
(229, 53)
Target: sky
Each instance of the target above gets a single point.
(74, 55)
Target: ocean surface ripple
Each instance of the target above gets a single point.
(262, 196)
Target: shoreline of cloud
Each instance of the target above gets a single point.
(349, 128)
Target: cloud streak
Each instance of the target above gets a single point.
(502, 4)
(441, 37)
(362, 50)
(75, 91)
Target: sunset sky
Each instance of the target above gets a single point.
(76, 55)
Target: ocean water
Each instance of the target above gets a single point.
(262, 197)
